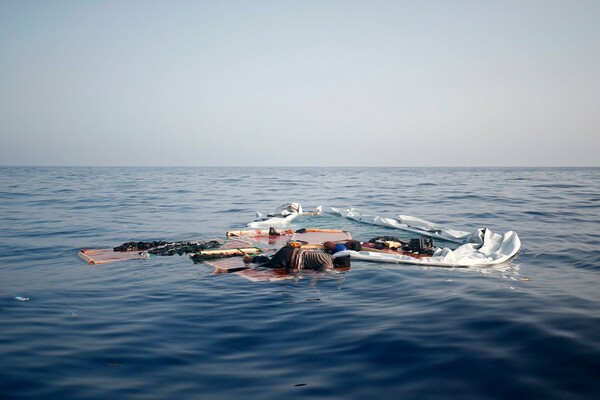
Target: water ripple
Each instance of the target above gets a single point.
(168, 328)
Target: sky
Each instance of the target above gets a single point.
(300, 83)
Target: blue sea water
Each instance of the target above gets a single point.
(166, 328)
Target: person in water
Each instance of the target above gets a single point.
(290, 258)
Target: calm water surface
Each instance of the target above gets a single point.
(166, 328)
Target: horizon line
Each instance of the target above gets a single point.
(293, 166)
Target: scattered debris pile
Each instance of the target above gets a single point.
(162, 248)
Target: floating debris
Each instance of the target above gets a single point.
(70, 313)
(161, 248)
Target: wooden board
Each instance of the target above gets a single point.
(233, 264)
(104, 256)
(318, 236)
(258, 233)
(261, 237)
(228, 252)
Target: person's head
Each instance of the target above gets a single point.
(341, 262)
(329, 246)
(353, 245)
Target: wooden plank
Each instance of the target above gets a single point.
(228, 252)
(258, 232)
(104, 256)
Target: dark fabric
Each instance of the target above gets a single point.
(260, 259)
(281, 259)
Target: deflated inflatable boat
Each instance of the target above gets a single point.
(479, 248)
(484, 247)
(405, 223)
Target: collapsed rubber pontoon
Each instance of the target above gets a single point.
(484, 248)
(479, 248)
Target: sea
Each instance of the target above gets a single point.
(168, 328)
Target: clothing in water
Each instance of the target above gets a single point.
(338, 247)
(289, 257)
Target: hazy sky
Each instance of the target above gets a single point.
(300, 83)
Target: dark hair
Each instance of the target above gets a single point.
(341, 262)
(353, 245)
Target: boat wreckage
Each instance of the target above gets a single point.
(272, 231)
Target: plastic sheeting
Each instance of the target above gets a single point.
(482, 247)
(403, 222)
(282, 216)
